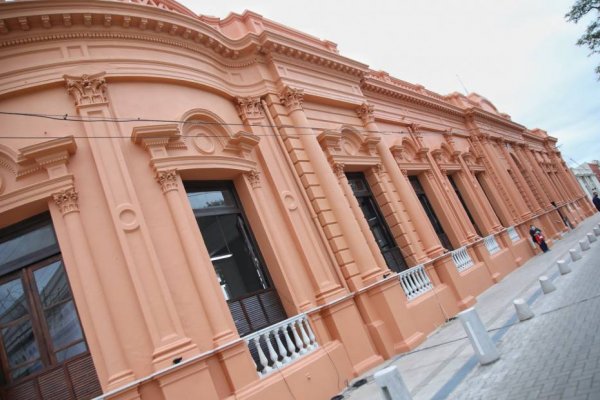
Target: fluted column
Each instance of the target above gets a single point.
(85, 271)
(404, 189)
(353, 239)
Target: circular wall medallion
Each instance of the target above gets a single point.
(289, 200)
(204, 143)
(127, 217)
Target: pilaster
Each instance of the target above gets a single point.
(156, 304)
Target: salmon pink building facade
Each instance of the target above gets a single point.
(197, 208)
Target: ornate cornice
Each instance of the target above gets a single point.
(389, 88)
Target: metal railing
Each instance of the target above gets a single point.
(279, 345)
(513, 234)
(491, 244)
(415, 281)
(462, 259)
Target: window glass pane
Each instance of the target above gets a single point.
(52, 285)
(26, 370)
(63, 324)
(13, 304)
(233, 255)
(19, 343)
(71, 351)
(213, 237)
(211, 199)
(29, 247)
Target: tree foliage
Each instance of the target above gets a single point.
(591, 37)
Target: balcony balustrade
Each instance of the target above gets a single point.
(281, 344)
(462, 259)
(415, 282)
(491, 244)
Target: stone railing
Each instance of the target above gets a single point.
(513, 234)
(279, 345)
(462, 259)
(415, 281)
(491, 244)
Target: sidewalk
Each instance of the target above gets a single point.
(552, 356)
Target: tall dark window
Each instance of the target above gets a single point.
(462, 201)
(485, 189)
(43, 350)
(240, 269)
(390, 251)
(435, 222)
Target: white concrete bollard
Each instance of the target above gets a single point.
(596, 231)
(563, 267)
(584, 244)
(523, 310)
(575, 254)
(591, 237)
(546, 284)
(480, 339)
(392, 385)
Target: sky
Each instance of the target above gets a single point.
(520, 55)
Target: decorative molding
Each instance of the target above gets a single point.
(366, 113)
(253, 177)
(378, 169)
(67, 200)
(87, 89)
(338, 169)
(249, 108)
(292, 98)
(404, 172)
(167, 180)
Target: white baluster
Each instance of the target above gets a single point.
(404, 287)
(311, 335)
(290, 345)
(272, 354)
(264, 363)
(280, 347)
(304, 336)
(299, 346)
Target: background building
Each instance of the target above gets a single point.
(200, 207)
(587, 179)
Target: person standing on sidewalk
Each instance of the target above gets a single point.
(536, 235)
(596, 201)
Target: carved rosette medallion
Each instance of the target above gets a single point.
(338, 170)
(87, 89)
(254, 178)
(292, 98)
(167, 180)
(67, 201)
(249, 109)
(365, 113)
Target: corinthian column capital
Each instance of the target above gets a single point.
(366, 113)
(67, 200)
(249, 108)
(87, 89)
(292, 98)
(167, 180)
